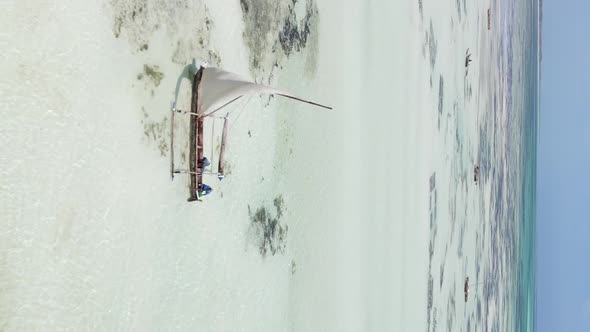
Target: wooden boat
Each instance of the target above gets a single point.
(467, 286)
(214, 89)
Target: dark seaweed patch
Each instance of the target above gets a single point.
(432, 45)
(420, 9)
(260, 18)
(430, 310)
(279, 204)
(273, 32)
(270, 233)
(293, 36)
(186, 23)
(156, 131)
(132, 13)
(429, 301)
(153, 73)
(245, 6)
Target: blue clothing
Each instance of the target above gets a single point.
(205, 162)
(204, 189)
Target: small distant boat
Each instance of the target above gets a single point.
(214, 90)
(467, 58)
(466, 288)
(489, 19)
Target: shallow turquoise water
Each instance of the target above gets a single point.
(491, 226)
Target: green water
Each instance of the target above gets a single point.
(525, 272)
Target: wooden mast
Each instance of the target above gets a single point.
(220, 167)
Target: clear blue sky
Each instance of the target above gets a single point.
(563, 201)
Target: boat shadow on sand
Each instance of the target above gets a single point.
(188, 72)
(179, 126)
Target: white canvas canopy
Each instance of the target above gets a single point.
(219, 88)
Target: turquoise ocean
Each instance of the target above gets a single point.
(492, 224)
(522, 55)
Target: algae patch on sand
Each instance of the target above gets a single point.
(268, 230)
(273, 32)
(152, 73)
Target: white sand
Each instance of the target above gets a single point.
(94, 236)
(362, 231)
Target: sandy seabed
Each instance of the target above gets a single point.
(95, 236)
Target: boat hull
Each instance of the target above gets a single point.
(196, 139)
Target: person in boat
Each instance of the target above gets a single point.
(203, 190)
(476, 174)
(204, 163)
